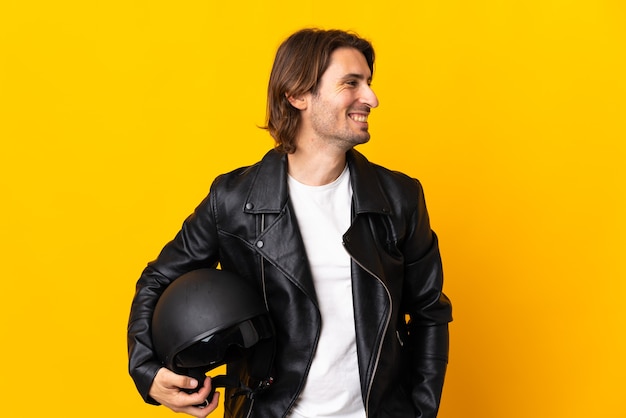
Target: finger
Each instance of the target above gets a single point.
(200, 397)
(183, 382)
(201, 411)
(214, 402)
(168, 389)
(207, 405)
(188, 383)
(166, 378)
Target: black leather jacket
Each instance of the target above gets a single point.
(247, 224)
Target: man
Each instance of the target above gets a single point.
(341, 249)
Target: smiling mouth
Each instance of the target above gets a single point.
(358, 117)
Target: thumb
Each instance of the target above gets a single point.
(188, 382)
(174, 380)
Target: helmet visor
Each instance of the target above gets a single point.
(225, 346)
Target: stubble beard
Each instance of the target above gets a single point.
(328, 127)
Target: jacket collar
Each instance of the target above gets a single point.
(269, 191)
(367, 192)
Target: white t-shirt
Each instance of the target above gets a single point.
(333, 386)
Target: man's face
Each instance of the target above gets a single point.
(339, 110)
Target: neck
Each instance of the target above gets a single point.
(316, 167)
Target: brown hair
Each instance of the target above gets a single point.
(300, 62)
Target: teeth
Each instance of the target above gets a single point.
(359, 118)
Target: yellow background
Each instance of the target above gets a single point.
(115, 116)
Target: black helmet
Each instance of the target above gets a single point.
(207, 318)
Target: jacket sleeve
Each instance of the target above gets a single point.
(429, 312)
(194, 247)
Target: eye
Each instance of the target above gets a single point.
(352, 83)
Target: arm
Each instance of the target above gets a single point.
(195, 246)
(429, 310)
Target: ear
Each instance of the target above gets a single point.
(299, 103)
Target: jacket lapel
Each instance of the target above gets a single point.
(368, 199)
(279, 240)
(372, 266)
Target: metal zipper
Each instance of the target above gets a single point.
(264, 298)
(267, 307)
(250, 410)
(382, 340)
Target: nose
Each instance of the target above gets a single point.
(369, 97)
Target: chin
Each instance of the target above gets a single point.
(365, 137)
(361, 140)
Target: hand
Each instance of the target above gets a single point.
(167, 389)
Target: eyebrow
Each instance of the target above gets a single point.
(355, 75)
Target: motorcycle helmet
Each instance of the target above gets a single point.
(207, 318)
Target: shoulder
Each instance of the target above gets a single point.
(261, 186)
(235, 179)
(397, 179)
(244, 176)
(392, 182)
